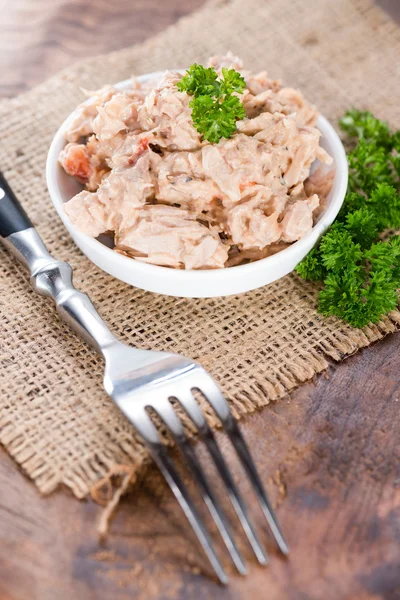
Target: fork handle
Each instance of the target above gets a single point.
(48, 276)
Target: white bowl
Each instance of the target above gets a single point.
(204, 283)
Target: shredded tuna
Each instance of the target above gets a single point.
(118, 114)
(172, 237)
(170, 198)
(82, 123)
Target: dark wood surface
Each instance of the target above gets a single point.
(329, 454)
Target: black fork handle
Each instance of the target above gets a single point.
(13, 218)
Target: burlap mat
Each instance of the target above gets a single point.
(55, 419)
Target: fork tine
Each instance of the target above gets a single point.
(167, 413)
(213, 506)
(211, 391)
(194, 411)
(148, 431)
(250, 468)
(167, 468)
(236, 499)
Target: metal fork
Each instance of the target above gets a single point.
(139, 380)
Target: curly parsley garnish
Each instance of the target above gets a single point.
(360, 272)
(215, 108)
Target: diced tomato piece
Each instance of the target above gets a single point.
(247, 184)
(76, 161)
(140, 149)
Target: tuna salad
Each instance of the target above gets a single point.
(170, 197)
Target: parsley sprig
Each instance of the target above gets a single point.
(360, 272)
(215, 107)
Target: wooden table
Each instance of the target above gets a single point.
(329, 454)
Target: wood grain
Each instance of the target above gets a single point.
(329, 454)
(40, 38)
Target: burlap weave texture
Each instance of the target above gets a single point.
(55, 419)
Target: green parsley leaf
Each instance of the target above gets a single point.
(232, 81)
(368, 165)
(215, 109)
(215, 119)
(384, 258)
(362, 225)
(363, 125)
(338, 250)
(385, 202)
(199, 81)
(311, 267)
